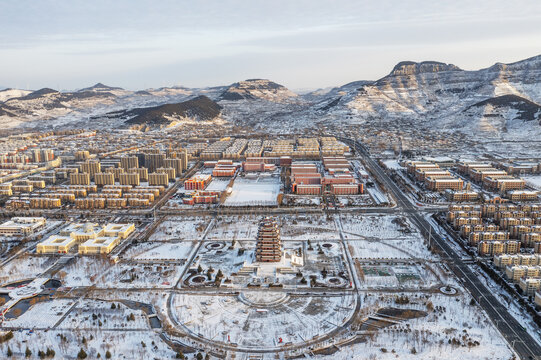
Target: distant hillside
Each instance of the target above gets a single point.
(525, 109)
(254, 89)
(100, 87)
(7, 94)
(201, 108)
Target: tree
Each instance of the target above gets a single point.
(82, 354)
(199, 356)
(84, 340)
(9, 353)
(199, 269)
(27, 352)
(108, 354)
(113, 306)
(143, 344)
(180, 355)
(324, 273)
(50, 352)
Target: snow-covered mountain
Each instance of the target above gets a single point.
(197, 109)
(501, 99)
(7, 94)
(442, 95)
(253, 89)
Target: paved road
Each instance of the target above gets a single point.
(514, 333)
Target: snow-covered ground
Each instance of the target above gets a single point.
(95, 314)
(392, 164)
(311, 227)
(84, 271)
(375, 226)
(41, 315)
(262, 191)
(157, 251)
(431, 337)
(130, 276)
(235, 228)
(121, 345)
(533, 180)
(217, 184)
(24, 267)
(294, 319)
(180, 228)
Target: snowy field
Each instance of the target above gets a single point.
(533, 180)
(301, 200)
(180, 228)
(84, 271)
(364, 249)
(217, 184)
(310, 227)
(96, 314)
(394, 276)
(430, 337)
(294, 320)
(235, 228)
(157, 251)
(122, 345)
(129, 276)
(41, 315)
(403, 247)
(260, 192)
(392, 164)
(375, 226)
(24, 267)
(355, 200)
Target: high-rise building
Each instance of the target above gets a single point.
(175, 164)
(82, 155)
(91, 168)
(183, 156)
(269, 245)
(107, 178)
(80, 179)
(154, 161)
(143, 173)
(116, 172)
(129, 162)
(155, 179)
(171, 173)
(129, 179)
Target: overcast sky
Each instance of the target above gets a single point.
(139, 44)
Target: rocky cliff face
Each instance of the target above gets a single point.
(436, 94)
(413, 68)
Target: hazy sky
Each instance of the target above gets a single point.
(302, 44)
